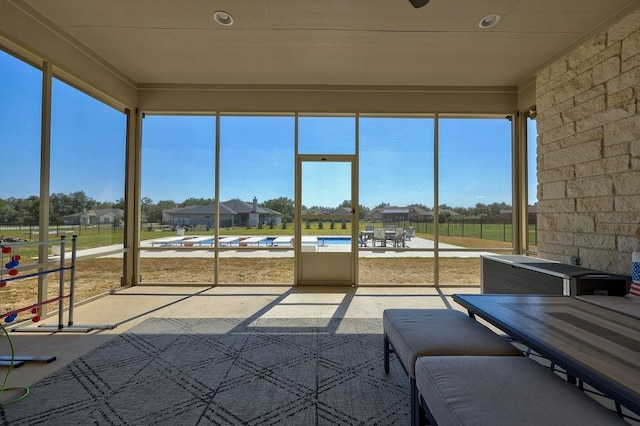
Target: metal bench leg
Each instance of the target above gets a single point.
(386, 354)
(415, 404)
(424, 415)
(619, 409)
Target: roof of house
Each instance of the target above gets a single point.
(342, 210)
(98, 212)
(234, 206)
(419, 210)
(395, 210)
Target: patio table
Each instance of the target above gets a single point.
(595, 344)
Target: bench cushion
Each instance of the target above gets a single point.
(419, 332)
(490, 390)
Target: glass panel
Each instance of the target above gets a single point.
(178, 160)
(396, 193)
(326, 135)
(88, 140)
(20, 124)
(326, 205)
(256, 199)
(326, 188)
(532, 185)
(475, 193)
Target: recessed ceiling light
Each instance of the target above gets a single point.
(223, 18)
(489, 20)
(418, 3)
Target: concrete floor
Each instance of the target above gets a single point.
(128, 307)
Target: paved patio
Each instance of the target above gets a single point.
(414, 248)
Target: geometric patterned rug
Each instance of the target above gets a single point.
(222, 371)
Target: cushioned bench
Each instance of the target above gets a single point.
(487, 390)
(412, 333)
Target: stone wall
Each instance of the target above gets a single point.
(588, 121)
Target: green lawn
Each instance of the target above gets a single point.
(466, 235)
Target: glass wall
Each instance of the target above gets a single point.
(177, 210)
(399, 223)
(396, 194)
(333, 135)
(531, 244)
(256, 199)
(86, 187)
(472, 213)
(20, 129)
(475, 194)
(88, 142)
(326, 186)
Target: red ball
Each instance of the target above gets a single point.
(3, 284)
(15, 257)
(13, 272)
(6, 250)
(35, 319)
(34, 310)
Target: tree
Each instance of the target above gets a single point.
(61, 205)
(195, 202)
(119, 204)
(146, 209)
(282, 205)
(422, 206)
(363, 211)
(154, 212)
(7, 212)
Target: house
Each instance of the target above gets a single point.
(234, 212)
(95, 217)
(400, 214)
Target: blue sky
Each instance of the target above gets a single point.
(256, 153)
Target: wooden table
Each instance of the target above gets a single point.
(595, 344)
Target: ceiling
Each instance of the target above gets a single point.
(329, 42)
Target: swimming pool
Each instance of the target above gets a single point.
(333, 241)
(247, 241)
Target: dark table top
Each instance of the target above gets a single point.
(598, 345)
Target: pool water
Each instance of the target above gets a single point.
(332, 241)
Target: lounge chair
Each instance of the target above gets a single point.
(252, 240)
(227, 241)
(190, 242)
(309, 243)
(168, 241)
(282, 240)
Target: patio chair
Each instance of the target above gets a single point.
(366, 235)
(398, 237)
(379, 235)
(410, 233)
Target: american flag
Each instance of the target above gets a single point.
(635, 277)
